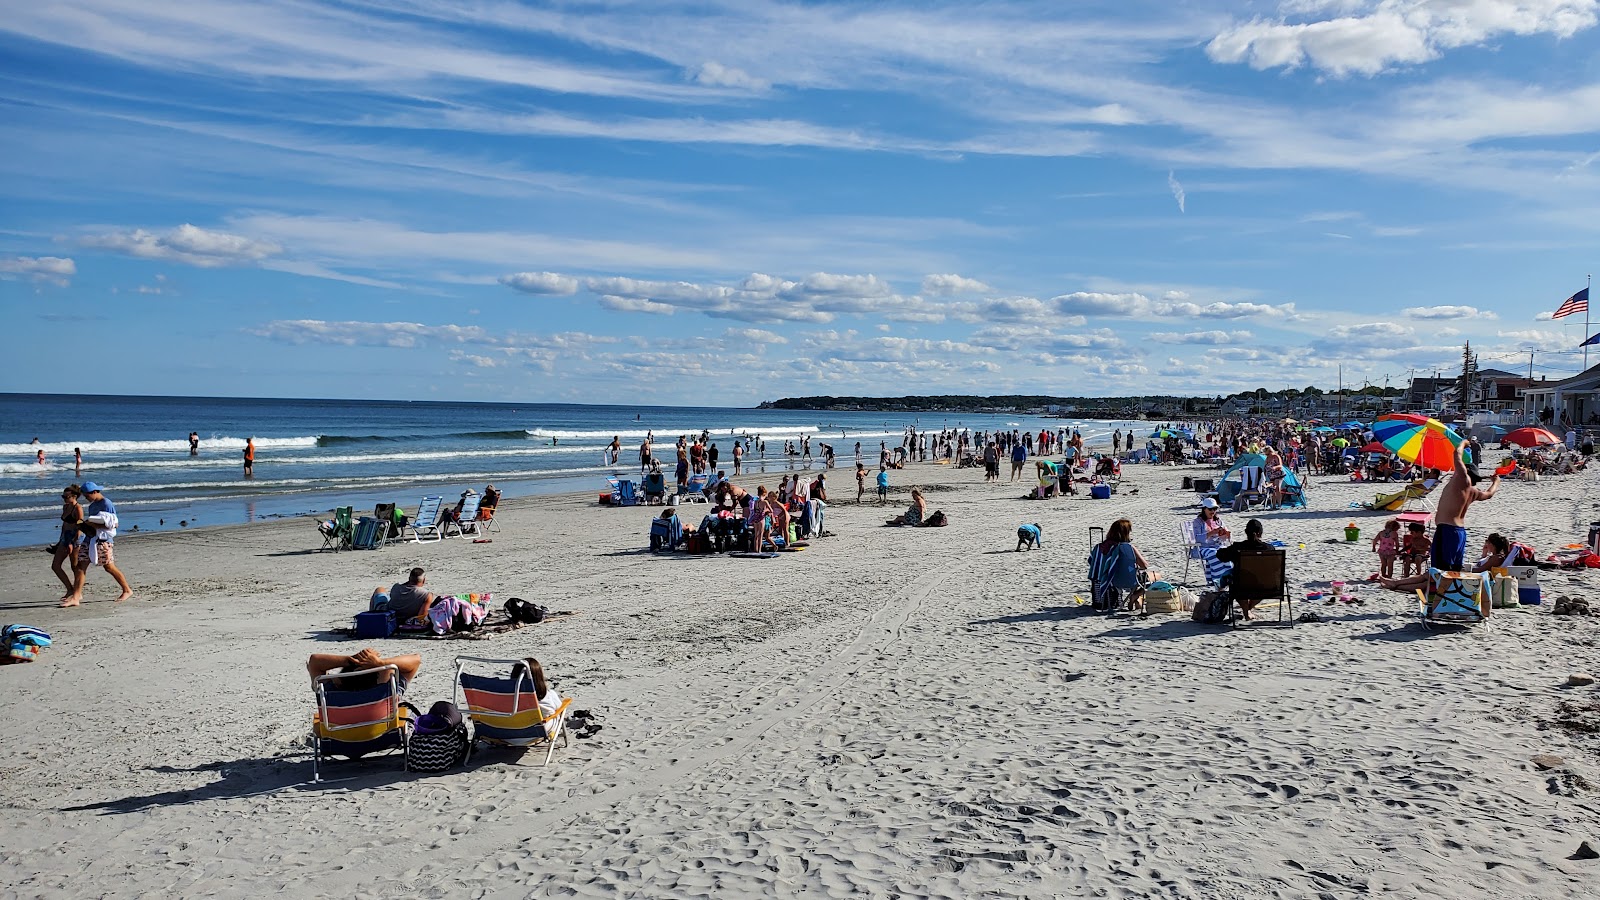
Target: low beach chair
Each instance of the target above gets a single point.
(654, 488)
(367, 534)
(468, 523)
(339, 538)
(694, 491)
(623, 492)
(665, 534)
(1262, 575)
(1454, 598)
(425, 526)
(504, 709)
(354, 724)
(384, 512)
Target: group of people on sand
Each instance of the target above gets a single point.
(87, 538)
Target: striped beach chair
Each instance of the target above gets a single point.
(426, 527)
(355, 723)
(504, 708)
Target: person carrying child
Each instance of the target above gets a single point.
(1386, 544)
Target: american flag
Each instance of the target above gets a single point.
(1577, 303)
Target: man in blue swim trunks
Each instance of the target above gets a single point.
(1450, 522)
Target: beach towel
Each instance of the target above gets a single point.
(462, 612)
(22, 643)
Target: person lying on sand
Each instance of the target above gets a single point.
(322, 664)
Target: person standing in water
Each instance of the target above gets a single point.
(249, 457)
(194, 443)
(77, 460)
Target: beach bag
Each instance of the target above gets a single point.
(1211, 608)
(520, 610)
(439, 740)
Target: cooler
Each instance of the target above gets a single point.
(377, 624)
(1527, 584)
(1100, 491)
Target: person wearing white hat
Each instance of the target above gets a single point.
(1209, 534)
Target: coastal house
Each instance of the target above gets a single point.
(1574, 400)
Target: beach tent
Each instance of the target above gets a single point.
(1232, 482)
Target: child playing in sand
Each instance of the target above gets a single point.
(861, 481)
(1416, 548)
(1386, 544)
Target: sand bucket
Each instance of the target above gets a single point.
(1352, 533)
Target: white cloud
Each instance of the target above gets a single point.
(715, 74)
(1214, 338)
(1177, 191)
(541, 283)
(1539, 339)
(54, 269)
(754, 336)
(1367, 37)
(1137, 305)
(636, 305)
(951, 285)
(187, 244)
(1449, 312)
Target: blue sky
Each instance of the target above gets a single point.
(725, 202)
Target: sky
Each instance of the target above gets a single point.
(729, 201)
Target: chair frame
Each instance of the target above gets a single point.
(343, 529)
(432, 526)
(1428, 607)
(384, 512)
(468, 524)
(396, 704)
(1265, 576)
(519, 667)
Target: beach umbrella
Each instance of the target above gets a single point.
(1418, 439)
(1531, 437)
(1323, 429)
(1375, 447)
(1162, 434)
(1352, 426)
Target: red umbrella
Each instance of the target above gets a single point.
(1530, 437)
(1375, 447)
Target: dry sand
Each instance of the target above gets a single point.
(894, 712)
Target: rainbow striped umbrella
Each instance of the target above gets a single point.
(1418, 439)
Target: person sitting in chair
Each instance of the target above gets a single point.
(322, 664)
(489, 503)
(1123, 563)
(1252, 543)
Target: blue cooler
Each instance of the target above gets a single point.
(379, 624)
(1100, 491)
(1527, 584)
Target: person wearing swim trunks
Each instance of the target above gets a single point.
(1450, 522)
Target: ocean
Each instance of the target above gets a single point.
(313, 455)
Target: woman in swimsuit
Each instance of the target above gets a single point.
(67, 547)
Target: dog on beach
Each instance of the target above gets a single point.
(1029, 536)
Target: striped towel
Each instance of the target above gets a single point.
(1216, 569)
(23, 634)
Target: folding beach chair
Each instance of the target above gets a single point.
(623, 492)
(355, 723)
(654, 488)
(487, 507)
(468, 523)
(426, 522)
(1454, 598)
(665, 534)
(1261, 575)
(1102, 596)
(1252, 488)
(367, 534)
(339, 538)
(505, 710)
(384, 512)
(694, 491)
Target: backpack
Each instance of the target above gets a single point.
(439, 740)
(1212, 608)
(520, 610)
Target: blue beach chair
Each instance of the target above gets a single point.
(425, 526)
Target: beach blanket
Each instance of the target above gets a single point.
(494, 626)
(22, 643)
(448, 613)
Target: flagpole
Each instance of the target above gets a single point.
(1588, 282)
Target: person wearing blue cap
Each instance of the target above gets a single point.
(99, 529)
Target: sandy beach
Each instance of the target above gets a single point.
(892, 713)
